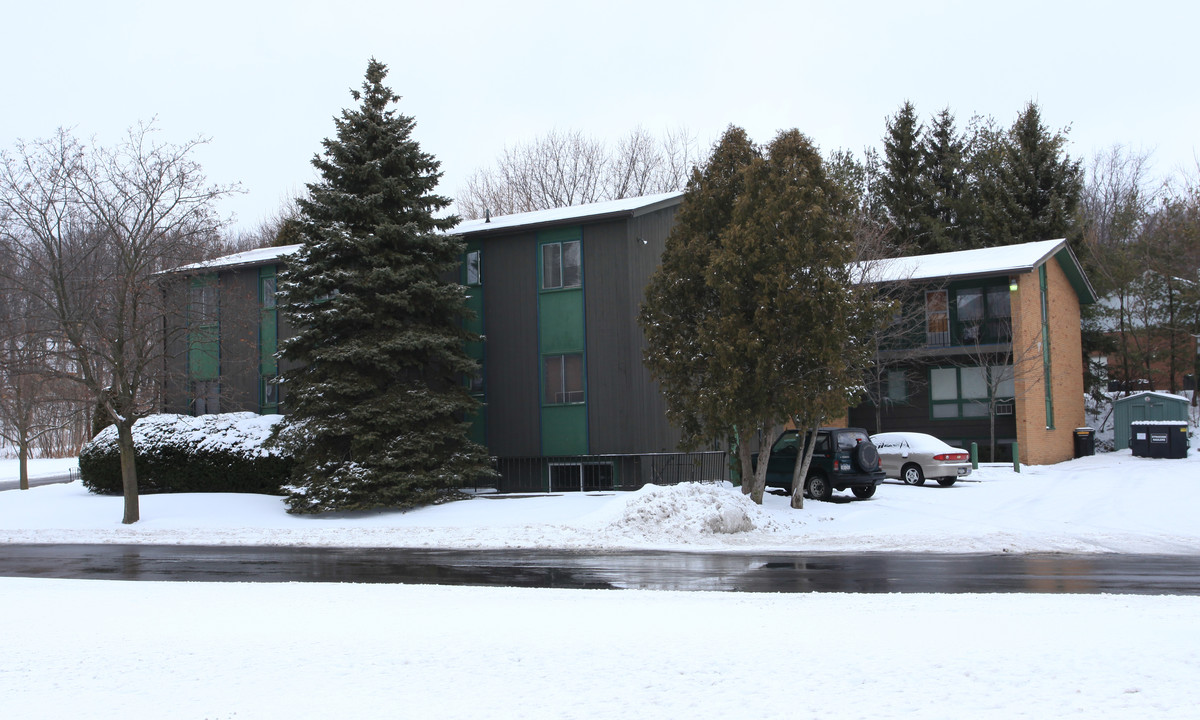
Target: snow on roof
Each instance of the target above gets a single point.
(627, 206)
(261, 256)
(1154, 393)
(574, 212)
(984, 261)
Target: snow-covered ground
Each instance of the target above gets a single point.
(207, 650)
(110, 649)
(1111, 502)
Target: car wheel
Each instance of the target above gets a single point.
(819, 487)
(946, 482)
(911, 475)
(862, 492)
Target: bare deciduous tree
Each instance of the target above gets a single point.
(562, 169)
(33, 405)
(95, 226)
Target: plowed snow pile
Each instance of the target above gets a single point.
(675, 510)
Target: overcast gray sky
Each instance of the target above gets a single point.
(263, 80)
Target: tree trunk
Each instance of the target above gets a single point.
(803, 461)
(746, 462)
(23, 464)
(128, 471)
(764, 459)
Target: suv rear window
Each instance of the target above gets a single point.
(850, 440)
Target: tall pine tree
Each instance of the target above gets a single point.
(1033, 188)
(376, 400)
(950, 215)
(902, 187)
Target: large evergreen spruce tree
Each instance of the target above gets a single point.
(951, 217)
(902, 187)
(1033, 189)
(377, 408)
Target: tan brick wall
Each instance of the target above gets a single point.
(1040, 445)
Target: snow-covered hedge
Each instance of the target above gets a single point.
(180, 453)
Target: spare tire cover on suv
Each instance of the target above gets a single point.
(866, 456)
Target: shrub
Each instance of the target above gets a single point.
(180, 453)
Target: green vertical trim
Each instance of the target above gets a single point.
(1046, 347)
(561, 331)
(204, 329)
(268, 340)
(476, 350)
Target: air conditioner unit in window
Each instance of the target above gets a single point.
(1004, 409)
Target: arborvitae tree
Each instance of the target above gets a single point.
(902, 187)
(776, 334)
(1034, 188)
(950, 217)
(679, 300)
(377, 404)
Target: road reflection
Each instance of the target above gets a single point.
(788, 573)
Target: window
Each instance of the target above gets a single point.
(966, 392)
(937, 318)
(474, 268)
(268, 393)
(561, 265)
(897, 386)
(206, 397)
(983, 315)
(266, 289)
(563, 379)
(202, 308)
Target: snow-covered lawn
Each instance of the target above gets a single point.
(207, 650)
(1106, 503)
(108, 649)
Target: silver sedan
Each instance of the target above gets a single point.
(913, 457)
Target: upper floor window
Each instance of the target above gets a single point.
(937, 318)
(267, 286)
(475, 267)
(202, 305)
(561, 265)
(984, 315)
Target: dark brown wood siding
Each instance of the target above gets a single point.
(511, 382)
(239, 340)
(626, 413)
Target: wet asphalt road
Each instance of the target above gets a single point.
(37, 481)
(863, 573)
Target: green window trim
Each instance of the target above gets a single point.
(204, 328)
(1047, 374)
(268, 322)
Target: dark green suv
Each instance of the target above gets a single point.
(844, 459)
